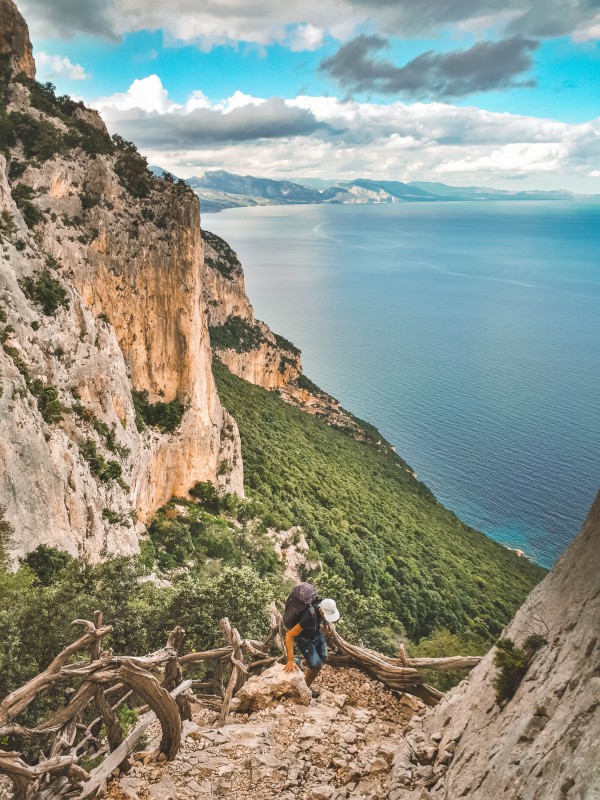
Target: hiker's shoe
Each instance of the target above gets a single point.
(315, 693)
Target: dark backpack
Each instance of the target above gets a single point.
(301, 598)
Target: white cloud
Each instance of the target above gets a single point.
(59, 67)
(298, 24)
(511, 159)
(145, 94)
(306, 37)
(330, 138)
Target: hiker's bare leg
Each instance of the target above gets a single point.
(310, 675)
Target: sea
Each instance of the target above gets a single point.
(467, 332)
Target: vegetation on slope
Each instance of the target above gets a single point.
(371, 522)
(235, 334)
(164, 416)
(214, 558)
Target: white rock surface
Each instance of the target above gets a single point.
(271, 687)
(544, 743)
(290, 751)
(132, 270)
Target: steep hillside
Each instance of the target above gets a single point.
(542, 742)
(102, 326)
(374, 525)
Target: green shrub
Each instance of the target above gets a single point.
(285, 344)
(22, 195)
(235, 334)
(132, 168)
(48, 293)
(194, 535)
(207, 496)
(7, 223)
(114, 517)
(48, 401)
(512, 663)
(441, 644)
(229, 265)
(47, 563)
(104, 470)
(89, 200)
(164, 416)
(6, 538)
(305, 383)
(40, 138)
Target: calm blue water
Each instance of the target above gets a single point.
(469, 334)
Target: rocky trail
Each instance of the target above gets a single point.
(339, 745)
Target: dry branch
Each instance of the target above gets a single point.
(401, 674)
(102, 772)
(238, 669)
(16, 701)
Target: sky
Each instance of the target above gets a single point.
(502, 93)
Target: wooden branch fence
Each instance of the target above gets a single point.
(88, 730)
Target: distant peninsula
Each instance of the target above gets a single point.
(218, 190)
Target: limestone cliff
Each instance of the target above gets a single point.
(101, 298)
(251, 350)
(543, 744)
(15, 44)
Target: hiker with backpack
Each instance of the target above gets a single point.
(304, 614)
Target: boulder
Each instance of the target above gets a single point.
(164, 789)
(270, 688)
(131, 787)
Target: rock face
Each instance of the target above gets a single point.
(82, 218)
(251, 350)
(259, 356)
(15, 44)
(544, 743)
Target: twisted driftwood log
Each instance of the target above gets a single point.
(96, 679)
(99, 776)
(401, 674)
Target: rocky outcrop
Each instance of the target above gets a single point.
(245, 345)
(15, 44)
(115, 255)
(543, 743)
(251, 350)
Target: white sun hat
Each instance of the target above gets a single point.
(329, 609)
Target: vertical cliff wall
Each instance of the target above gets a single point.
(251, 350)
(83, 221)
(543, 744)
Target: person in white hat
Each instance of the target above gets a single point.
(309, 636)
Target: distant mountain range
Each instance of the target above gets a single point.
(219, 190)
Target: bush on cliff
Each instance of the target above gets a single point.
(235, 334)
(164, 416)
(45, 291)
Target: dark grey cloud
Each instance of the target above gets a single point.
(272, 119)
(483, 67)
(264, 21)
(67, 18)
(540, 18)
